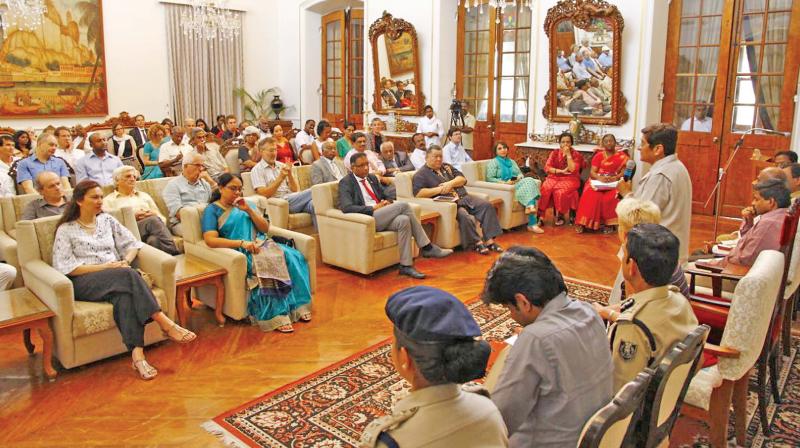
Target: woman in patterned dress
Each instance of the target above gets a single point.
(504, 170)
(95, 252)
(563, 169)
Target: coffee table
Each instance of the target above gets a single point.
(191, 272)
(432, 219)
(21, 310)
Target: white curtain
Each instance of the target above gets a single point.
(202, 73)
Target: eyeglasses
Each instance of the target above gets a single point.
(234, 189)
(198, 165)
(201, 137)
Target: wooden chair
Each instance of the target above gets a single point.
(613, 425)
(665, 393)
(747, 323)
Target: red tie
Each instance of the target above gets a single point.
(369, 190)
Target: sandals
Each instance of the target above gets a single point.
(285, 329)
(481, 249)
(145, 370)
(184, 336)
(559, 221)
(305, 317)
(608, 230)
(495, 247)
(579, 229)
(535, 229)
(530, 210)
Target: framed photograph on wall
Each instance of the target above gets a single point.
(58, 68)
(400, 53)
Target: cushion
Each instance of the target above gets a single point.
(303, 176)
(94, 317)
(299, 220)
(46, 235)
(385, 240)
(12, 233)
(155, 188)
(701, 387)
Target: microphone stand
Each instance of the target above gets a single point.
(718, 187)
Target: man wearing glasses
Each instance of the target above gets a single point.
(186, 190)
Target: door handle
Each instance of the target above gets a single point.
(488, 126)
(715, 140)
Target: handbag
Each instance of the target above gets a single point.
(285, 241)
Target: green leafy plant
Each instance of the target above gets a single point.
(258, 103)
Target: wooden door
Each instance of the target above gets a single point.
(334, 70)
(717, 87)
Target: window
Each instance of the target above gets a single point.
(342, 66)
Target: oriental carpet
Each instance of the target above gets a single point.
(330, 408)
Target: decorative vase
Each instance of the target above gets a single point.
(277, 106)
(575, 127)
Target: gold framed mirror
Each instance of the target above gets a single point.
(585, 53)
(395, 62)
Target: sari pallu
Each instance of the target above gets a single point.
(597, 208)
(277, 278)
(561, 189)
(526, 189)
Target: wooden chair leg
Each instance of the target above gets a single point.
(788, 314)
(740, 409)
(763, 399)
(719, 410)
(773, 374)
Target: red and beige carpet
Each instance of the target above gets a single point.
(330, 408)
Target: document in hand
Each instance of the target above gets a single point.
(601, 186)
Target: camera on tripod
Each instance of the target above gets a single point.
(456, 113)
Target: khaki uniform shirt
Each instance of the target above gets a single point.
(440, 416)
(666, 313)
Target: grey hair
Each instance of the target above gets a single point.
(192, 157)
(118, 173)
(387, 145)
(36, 180)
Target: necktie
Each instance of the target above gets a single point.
(144, 135)
(369, 190)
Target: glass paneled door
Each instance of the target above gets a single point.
(493, 72)
(724, 76)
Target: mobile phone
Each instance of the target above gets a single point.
(514, 178)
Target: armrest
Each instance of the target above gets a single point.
(480, 195)
(223, 257)
(482, 184)
(277, 202)
(716, 279)
(306, 244)
(278, 210)
(720, 351)
(8, 249)
(53, 288)
(160, 265)
(359, 218)
(708, 266)
(709, 308)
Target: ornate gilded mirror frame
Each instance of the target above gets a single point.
(595, 18)
(395, 63)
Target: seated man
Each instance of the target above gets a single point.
(793, 174)
(152, 225)
(394, 161)
(454, 152)
(53, 201)
(785, 158)
(273, 179)
(559, 371)
(171, 153)
(440, 179)
(98, 165)
(328, 168)
(186, 190)
(361, 192)
(376, 166)
(215, 164)
(42, 159)
(417, 156)
(657, 315)
(7, 187)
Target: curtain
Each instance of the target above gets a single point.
(202, 73)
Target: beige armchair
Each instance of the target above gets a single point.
(155, 188)
(278, 209)
(712, 389)
(235, 262)
(349, 240)
(12, 208)
(512, 213)
(85, 331)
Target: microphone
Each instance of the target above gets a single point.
(630, 170)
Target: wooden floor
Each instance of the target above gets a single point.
(105, 404)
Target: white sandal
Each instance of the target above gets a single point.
(146, 371)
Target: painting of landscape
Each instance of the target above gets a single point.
(57, 70)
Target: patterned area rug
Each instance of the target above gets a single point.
(331, 408)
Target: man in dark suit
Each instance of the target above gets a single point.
(361, 192)
(139, 133)
(328, 168)
(394, 161)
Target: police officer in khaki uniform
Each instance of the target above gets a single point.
(657, 315)
(436, 348)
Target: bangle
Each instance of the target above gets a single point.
(241, 244)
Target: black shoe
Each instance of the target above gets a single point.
(436, 252)
(494, 247)
(411, 272)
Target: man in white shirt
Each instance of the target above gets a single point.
(468, 129)
(453, 151)
(702, 122)
(431, 127)
(263, 128)
(64, 147)
(417, 156)
(7, 187)
(171, 153)
(304, 140)
(324, 131)
(328, 168)
(273, 179)
(579, 70)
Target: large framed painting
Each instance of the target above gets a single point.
(57, 69)
(400, 53)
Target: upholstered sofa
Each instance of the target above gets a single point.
(235, 262)
(278, 209)
(85, 331)
(512, 213)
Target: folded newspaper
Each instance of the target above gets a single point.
(598, 185)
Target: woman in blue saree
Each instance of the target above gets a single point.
(277, 275)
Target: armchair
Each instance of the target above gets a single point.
(278, 209)
(85, 331)
(747, 323)
(12, 208)
(512, 213)
(349, 240)
(235, 262)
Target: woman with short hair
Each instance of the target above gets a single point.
(504, 170)
(95, 252)
(122, 145)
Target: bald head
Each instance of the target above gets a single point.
(771, 172)
(48, 184)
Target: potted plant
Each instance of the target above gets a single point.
(261, 103)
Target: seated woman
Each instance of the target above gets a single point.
(152, 224)
(504, 170)
(563, 170)
(436, 347)
(200, 123)
(157, 134)
(96, 252)
(596, 207)
(285, 151)
(249, 154)
(277, 275)
(23, 144)
(345, 144)
(122, 145)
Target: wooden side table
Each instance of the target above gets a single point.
(432, 219)
(192, 272)
(20, 309)
(497, 203)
